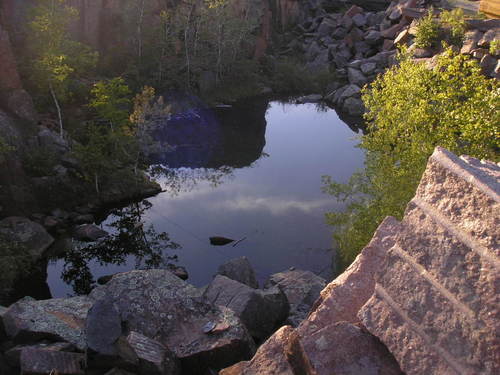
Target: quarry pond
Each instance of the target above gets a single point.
(249, 172)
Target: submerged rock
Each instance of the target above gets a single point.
(89, 233)
(241, 270)
(260, 311)
(301, 288)
(162, 307)
(220, 241)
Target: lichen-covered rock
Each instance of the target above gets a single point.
(281, 354)
(301, 288)
(436, 299)
(27, 233)
(239, 269)
(260, 311)
(159, 305)
(28, 320)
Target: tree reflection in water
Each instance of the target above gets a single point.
(128, 237)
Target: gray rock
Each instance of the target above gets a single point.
(349, 91)
(89, 233)
(326, 27)
(361, 48)
(13, 356)
(84, 219)
(178, 271)
(368, 68)
(312, 51)
(354, 106)
(239, 269)
(320, 63)
(27, 233)
(43, 362)
(313, 98)
(161, 306)
(373, 37)
(339, 33)
(260, 311)
(396, 14)
(346, 22)
(356, 77)
(488, 64)
(103, 327)
(301, 288)
(51, 140)
(420, 53)
(359, 20)
(28, 320)
(147, 356)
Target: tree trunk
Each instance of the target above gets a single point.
(58, 107)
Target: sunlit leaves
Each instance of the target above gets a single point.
(412, 109)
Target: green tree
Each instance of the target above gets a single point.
(411, 110)
(55, 58)
(106, 141)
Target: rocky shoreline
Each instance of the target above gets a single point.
(425, 281)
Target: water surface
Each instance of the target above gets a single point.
(252, 171)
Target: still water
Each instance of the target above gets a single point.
(250, 172)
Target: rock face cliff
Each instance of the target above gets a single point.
(426, 287)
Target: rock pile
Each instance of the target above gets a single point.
(152, 322)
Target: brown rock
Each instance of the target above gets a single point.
(471, 39)
(346, 349)
(43, 362)
(394, 30)
(241, 270)
(388, 45)
(488, 64)
(147, 355)
(344, 296)
(402, 37)
(281, 354)
(352, 11)
(436, 299)
(489, 36)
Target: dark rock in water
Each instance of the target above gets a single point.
(220, 241)
(260, 311)
(178, 271)
(241, 270)
(148, 356)
(43, 362)
(301, 288)
(103, 327)
(161, 306)
(28, 320)
(27, 233)
(89, 233)
(13, 356)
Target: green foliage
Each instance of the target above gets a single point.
(5, 147)
(495, 47)
(14, 260)
(292, 77)
(39, 161)
(111, 101)
(427, 31)
(411, 110)
(454, 21)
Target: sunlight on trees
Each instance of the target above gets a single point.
(411, 110)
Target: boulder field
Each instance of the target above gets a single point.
(421, 298)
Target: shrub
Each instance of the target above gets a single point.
(427, 31)
(454, 21)
(495, 47)
(411, 110)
